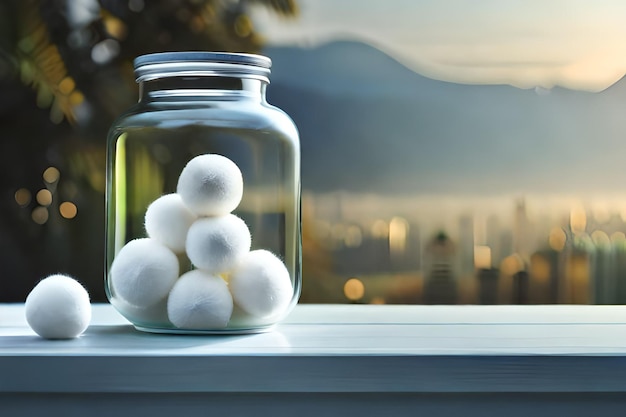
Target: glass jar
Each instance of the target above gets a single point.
(203, 198)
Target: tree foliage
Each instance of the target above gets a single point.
(65, 74)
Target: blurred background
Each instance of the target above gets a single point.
(452, 151)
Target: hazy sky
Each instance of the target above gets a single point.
(578, 44)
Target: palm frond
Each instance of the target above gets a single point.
(42, 66)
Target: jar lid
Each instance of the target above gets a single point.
(164, 64)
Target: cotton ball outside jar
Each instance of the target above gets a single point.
(58, 308)
(167, 221)
(200, 300)
(211, 185)
(261, 284)
(216, 244)
(143, 272)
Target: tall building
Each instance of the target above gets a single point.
(603, 276)
(466, 246)
(488, 285)
(545, 277)
(520, 287)
(493, 235)
(619, 272)
(577, 274)
(521, 230)
(441, 285)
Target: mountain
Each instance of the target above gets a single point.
(369, 124)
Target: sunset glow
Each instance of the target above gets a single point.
(575, 44)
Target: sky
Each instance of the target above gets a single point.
(577, 44)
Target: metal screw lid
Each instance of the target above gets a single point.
(165, 64)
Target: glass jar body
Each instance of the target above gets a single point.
(175, 121)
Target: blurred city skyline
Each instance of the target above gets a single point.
(480, 256)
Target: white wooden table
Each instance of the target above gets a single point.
(329, 360)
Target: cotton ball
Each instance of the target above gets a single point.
(211, 185)
(242, 319)
(143, 272)
(151, 316)
(200, 300)
(216, 244)
(261, 284)
(167, 221)
(58, 308)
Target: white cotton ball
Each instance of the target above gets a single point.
(211, 185)
(167, 221)
(216, 244)
(151, 316)
(58, 308)
(200, 300)
(261, 284)
(242, 319)
(143, 272)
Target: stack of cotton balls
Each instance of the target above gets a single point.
(197, 221)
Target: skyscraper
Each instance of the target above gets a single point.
(493, 239)
(440, 286)
(466, 246)
(521, 230)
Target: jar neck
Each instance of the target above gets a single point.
(201, 88)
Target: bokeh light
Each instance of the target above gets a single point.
(22, 197)
(377, 300)
(76, 98)
(115, 27)
(354, 289)
(67, 85)
(44, 197)
(40, 215)
(68, 210)
(540, 269)
(557, 239)
(511, 265)
(105, 51)
(600, 239)
(398, 230)
(51, 175)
